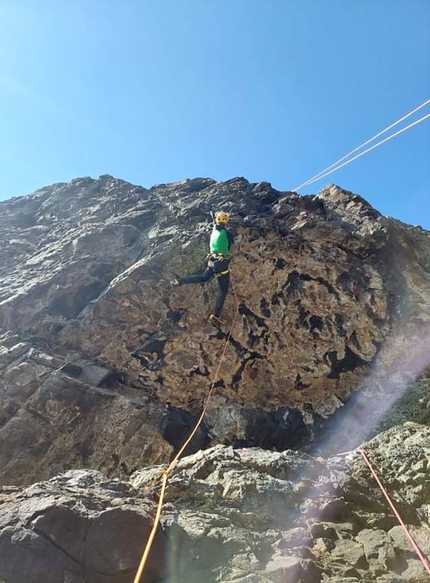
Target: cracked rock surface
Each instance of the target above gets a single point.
(76, 528)
(230, 516)
(103, 365)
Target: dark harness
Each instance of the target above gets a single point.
(219, 263)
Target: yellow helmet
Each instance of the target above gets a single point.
(222, 218)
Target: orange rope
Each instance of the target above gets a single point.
(166, 473)
(154, 529)
(397, 515)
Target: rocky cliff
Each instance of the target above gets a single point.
(104, 366)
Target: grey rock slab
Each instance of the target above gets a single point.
(421, 536)
(8, 354)
(282, 569)
(414, 572)
(348, 551)
(295, 537)
(79, 524)
(377, 545)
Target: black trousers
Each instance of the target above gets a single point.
(223, 282)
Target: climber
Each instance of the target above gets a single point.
(218, 264)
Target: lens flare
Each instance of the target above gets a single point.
(400, 362)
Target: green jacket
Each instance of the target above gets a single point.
(221, 241)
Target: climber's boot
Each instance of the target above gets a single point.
(215, 321)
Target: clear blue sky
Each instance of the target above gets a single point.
(159, 90)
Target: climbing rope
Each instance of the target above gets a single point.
(166, 473)
(318, 176)
(397, 515)
(336, 165)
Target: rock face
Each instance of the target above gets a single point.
(414, 405)
(78, 527)
(230, 515)
(103, 365)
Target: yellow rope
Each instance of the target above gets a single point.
(154, 529)
(166, 473)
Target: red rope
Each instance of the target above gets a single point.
(397, 515)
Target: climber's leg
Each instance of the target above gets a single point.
(199, 278)
(223, 282)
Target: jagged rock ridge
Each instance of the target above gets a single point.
(104, 366)
(231, 516)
